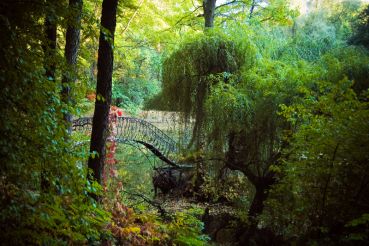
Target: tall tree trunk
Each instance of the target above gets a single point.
(70, 53)
(103, 87)
(49, 48)
(209, 12)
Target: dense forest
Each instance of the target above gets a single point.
(192, 122)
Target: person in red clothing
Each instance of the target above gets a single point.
(118, 112)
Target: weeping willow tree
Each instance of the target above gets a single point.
(200, 63)
(245, 124)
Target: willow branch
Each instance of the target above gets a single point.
(132, 17)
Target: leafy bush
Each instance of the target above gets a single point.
(131, 93)
(323, 191)
(186, 228)
(145, 227)
(132, 228)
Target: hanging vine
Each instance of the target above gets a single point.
(110, 160)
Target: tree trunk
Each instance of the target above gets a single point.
(262, 182)
(49, 48)
(103, 88)
(209, 11)
(262, 187)
(261, 193)
(70, 53)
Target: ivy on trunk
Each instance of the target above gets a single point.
(103, 88)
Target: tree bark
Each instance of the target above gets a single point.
(261, 182)
(262, 187)
(103, 88)
(209, 12)
(70, 54)
(49, 48)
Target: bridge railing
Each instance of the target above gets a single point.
(137, 130)
(133, 129)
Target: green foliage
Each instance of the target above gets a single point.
(44, 195)
(267, 83)
(138, 54)
(131, 93)
(263, 88)
(199, 63)
(231, 188)
(250, 109)
(361, 27)
(254, 105)
(135, 161)
(142, 226)
(272, 12)
(311, 36)
(135, 228)
(63, 213)
(343, 17)
(361, 229)
(326, 165)
(186, 228)
(351, 62)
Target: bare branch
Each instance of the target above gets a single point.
(132, 17)
(226, 16)
(184, 17)
(253, 5)
(153, 203)
(266, 19)
(229, 3)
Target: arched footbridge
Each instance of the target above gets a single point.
(128, 129)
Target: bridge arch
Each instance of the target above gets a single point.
(129, 129)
